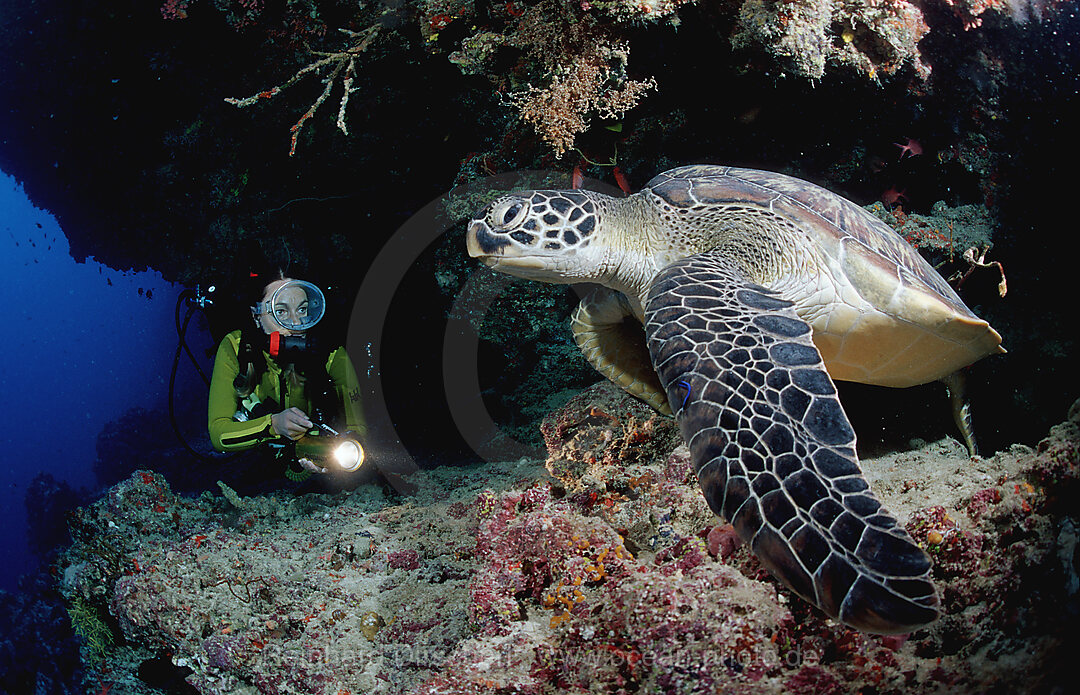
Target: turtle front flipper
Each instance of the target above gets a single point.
(774, 451)
(616, 347)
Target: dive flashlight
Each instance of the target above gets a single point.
(327, 446)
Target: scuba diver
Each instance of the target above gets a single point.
(273, 383)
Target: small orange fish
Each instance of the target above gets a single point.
(576, 177)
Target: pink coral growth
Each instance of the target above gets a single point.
(175, 9)
(1058, 460)
(531, 549)
(687, 553)
(981, 501)
(722, 541)
(813, 679)
(403, 559)
(969, 11)
(955, 551)
(698, 631)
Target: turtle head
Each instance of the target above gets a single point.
(538, 235)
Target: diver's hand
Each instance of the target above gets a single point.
(291, 422)
(309, 465)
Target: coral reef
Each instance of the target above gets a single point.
(956, 240)
(560, 110)
(573, 61)
(874, 38)
(946, 233)
(608, 576)
(560, 63)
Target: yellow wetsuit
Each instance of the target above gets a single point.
(227, 434)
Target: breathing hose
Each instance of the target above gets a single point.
(194, 300)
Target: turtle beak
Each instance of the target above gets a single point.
(471, 241)
(489, 248)
(498, 253)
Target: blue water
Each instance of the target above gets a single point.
(81, 344)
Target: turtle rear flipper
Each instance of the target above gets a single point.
(955, 385)
(774, 451)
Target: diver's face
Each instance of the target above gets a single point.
(290, 307)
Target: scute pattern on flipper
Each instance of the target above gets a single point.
(774, 450)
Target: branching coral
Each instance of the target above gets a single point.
(337, 65)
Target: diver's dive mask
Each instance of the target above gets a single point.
(295, 306)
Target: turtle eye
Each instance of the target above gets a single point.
(511, 214)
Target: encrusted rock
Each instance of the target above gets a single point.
(603, 438)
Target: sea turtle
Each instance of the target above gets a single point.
(756, 290)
